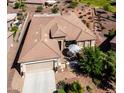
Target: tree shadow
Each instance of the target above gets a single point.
(106, 45)
(16, 65)
(103, 82)
(64, 52)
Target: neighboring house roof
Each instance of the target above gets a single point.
(39, 46)
(9, 40)
(11, 17)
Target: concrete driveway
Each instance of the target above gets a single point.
(39, 82)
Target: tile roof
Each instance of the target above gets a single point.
(56, 32)
(39, 46)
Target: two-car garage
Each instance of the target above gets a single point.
(49, 65)
(38, 66)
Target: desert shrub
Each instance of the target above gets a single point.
(19, 5)
(74, 87)
(61, 90)
(39, 8)
(73, 4)
(14, 29)
(89, 89)
(55, 9)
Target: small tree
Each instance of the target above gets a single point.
(20, 5)
(90, 61)
(99, 65)
(39, 8)
(14, 29)
(110, 65)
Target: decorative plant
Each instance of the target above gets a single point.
(55, 9)
(39, 8)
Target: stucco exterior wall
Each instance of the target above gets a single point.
(39, 65)
(93, 43)
(88, 43)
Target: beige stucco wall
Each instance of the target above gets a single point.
(86, 43)
(93, 43)
(39, 65)
(81, 44)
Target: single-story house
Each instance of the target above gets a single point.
(46, 38)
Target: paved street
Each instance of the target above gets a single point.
(39, 82)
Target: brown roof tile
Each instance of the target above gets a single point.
(39, 46)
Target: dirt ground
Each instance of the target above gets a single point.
(69, 76)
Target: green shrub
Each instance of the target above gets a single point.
(110, 34)
(39, 8)
(61, 91)
(55, 9)
(17, 5)
(73, 4)
(74, 87)
(105, 4)
(89, 89)
(96, 82)
(20, 16)
(106, 7)
(14, 29)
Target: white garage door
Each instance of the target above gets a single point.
(39, 66)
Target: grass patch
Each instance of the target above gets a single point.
(73, 4)
(105, 4)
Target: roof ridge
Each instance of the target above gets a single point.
(86, 33)
(70, 22)
(57, 28)
(50, 48)
(29, 50)
(77, 26)
(60, 30)
(79, 34)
